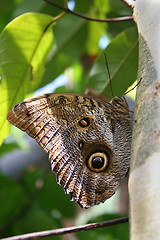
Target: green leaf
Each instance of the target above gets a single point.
(51, 197)
(119, 231)
(24, 46)
(12, 198)
(8, 147)
(70, 35)
(96, 29)
(119, 9)
(74, 38)
(36, 6)
(36, 219)
(28, 6)
(122, 57)
(6, 9)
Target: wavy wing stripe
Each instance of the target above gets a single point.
(58, 148)
(55, 156)
(47, 139)
(88, 196)
(15, 119)
(61, 174)
(78, 187)
(54, 141)
(27, 124)
(49, 128)
(57, 142)
(35, 106)
(67, 169)
(58, 162)
(70, 185)
(76, 182)
(86, 199)
(34, 129)
(70, 175)
(79, 184)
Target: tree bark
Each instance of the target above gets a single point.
(144, 190)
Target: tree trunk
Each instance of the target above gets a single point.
(144, 189)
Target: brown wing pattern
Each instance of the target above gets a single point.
(88, 141)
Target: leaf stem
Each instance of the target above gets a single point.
(59, 16)
(67, 10)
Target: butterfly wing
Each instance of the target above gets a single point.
(88, 146)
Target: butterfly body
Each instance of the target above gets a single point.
(88, 141)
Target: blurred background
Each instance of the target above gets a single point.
(30, 198)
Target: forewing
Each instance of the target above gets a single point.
(70, 128)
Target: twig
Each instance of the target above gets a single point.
(110, 80)
(89, 18)
(67, 230)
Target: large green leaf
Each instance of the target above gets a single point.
(12, 199)
(119, 9)
(74, 38)
(119, 231)
(70, 34)
(6, 9)
(53, 198)
(24, 46)
(122, 57)
(37, 6)
(36, 219)
(21, 211)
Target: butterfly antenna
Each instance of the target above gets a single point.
(130, 91)
(133, 87)
(109, 75)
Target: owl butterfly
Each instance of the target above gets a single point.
(88, 141)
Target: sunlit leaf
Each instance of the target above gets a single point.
(122, 57)
(24, 46)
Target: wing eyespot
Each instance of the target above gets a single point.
(84, 122)
(81, 144)
(98, 162)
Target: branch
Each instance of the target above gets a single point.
(128, 18)
(67, 230)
